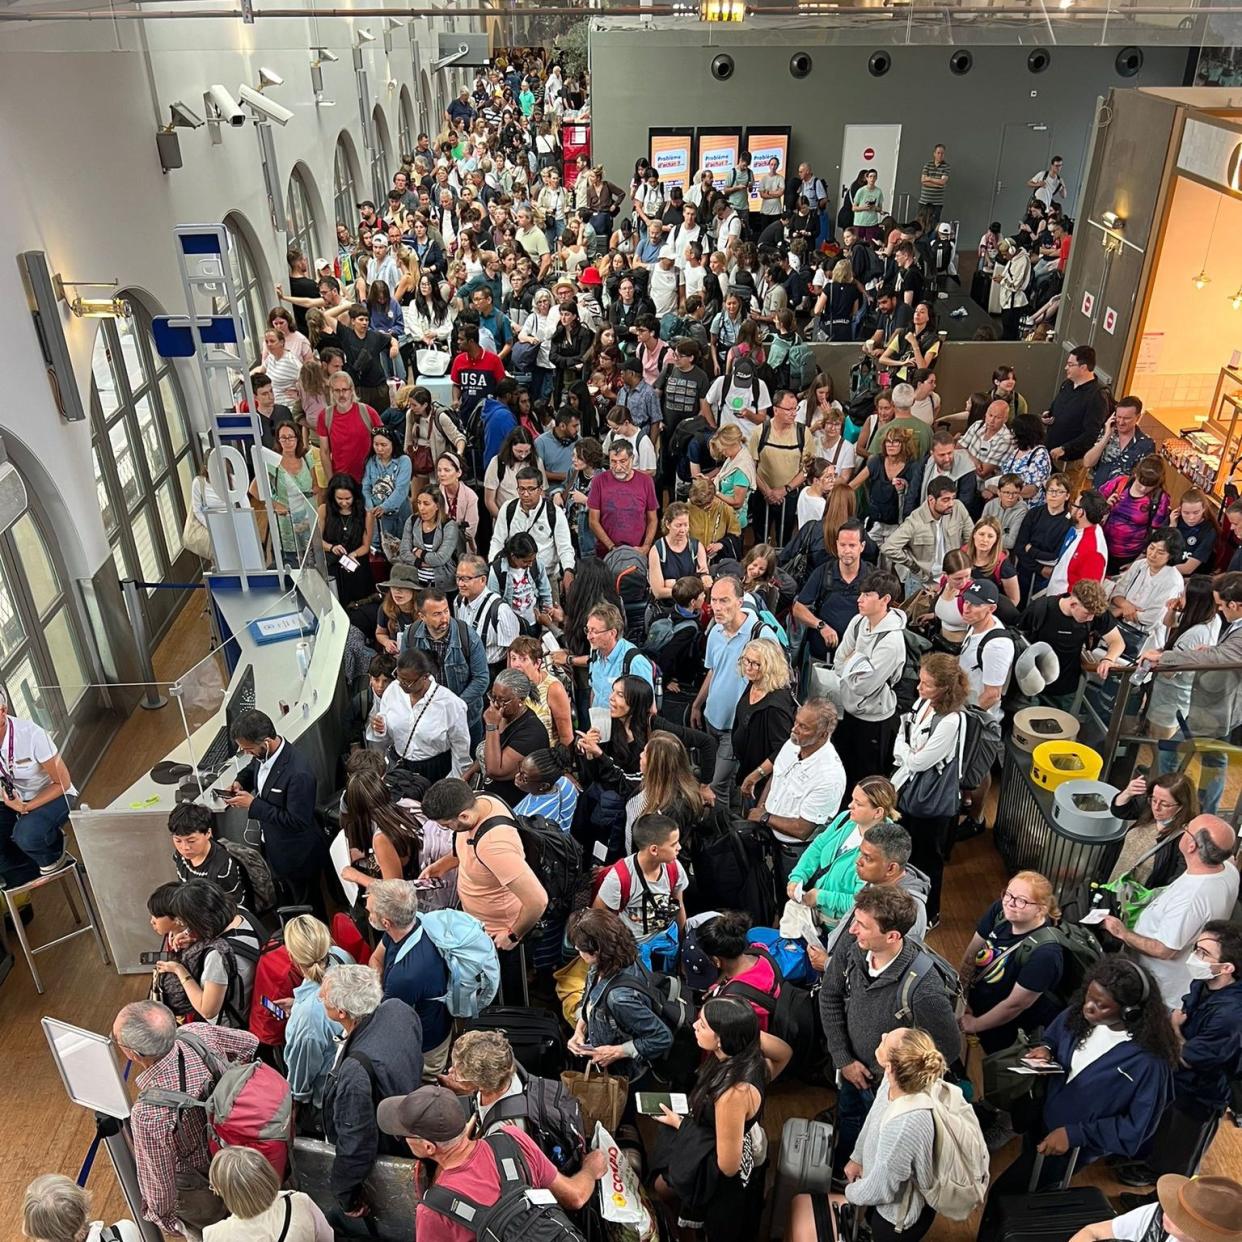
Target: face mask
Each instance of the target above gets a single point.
(1198, 968)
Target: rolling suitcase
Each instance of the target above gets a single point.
(1045, 1216)
(805, 1164)
(535, 1035)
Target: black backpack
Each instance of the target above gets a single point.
(671, 1003)
(732, 870)
(792, 1014)
(514, 1217)
(552, 1117)
(906, 687)
(554, 856)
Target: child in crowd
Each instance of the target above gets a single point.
(1193, 522)
(713, 522)
(1008, 508)
(646, 888)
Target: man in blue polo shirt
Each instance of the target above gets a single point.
(609, 651)
(714, 705)
(829, 600)
(410, 967)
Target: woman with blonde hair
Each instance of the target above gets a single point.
(259, 1211)
(929, 736)
(825, 877)
(310, 1035)
(764, 713)
(1012, 967)
(669, 786)
(892, 1166)
(735, 477)
(990, 562)
(839, 303)
(57, 1209)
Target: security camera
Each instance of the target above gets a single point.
(452, 58)
(269, 77)
(183, 116)
(722, 67)
(227, 108)
(800, 65)
(879, 63)
(269, 109)
(1039, 60)
(1129, 61)
(960, 62)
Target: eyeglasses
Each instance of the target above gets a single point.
(751, 662)
(590, 633)
(1019, 903)
(468, 577)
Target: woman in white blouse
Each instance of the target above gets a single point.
(1140, 598)
(930, 736)
(283, 368)
(423, 722)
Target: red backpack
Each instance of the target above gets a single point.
(627, 869)
(249, 1104)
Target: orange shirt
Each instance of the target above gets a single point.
(485, 872)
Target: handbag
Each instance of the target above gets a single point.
(196, 537)
(1003, 1089)
(601, 1096)
(391, 544)
(432, 362)
(570, 986)
(523, 357)
(421, 461)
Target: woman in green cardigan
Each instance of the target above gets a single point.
(825, 875)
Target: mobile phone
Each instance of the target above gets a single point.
(274, 1009)
(151, 957)
(429, 883)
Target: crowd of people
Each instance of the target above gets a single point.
(678, 679)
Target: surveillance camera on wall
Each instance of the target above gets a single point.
(228, 108)
(443, 62)
(722, 67)
(879, 63)
(800, 65)
(269, 109)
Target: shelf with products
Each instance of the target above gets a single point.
(1208, 456)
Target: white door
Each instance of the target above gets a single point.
(870, 146)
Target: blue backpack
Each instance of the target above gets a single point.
(469, 954)
(789, 955)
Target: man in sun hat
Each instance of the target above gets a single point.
(436, 1126)
(1187, 1209)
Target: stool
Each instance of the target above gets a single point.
(65, 874)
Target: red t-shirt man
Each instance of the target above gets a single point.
(476, 377)
(348, 433)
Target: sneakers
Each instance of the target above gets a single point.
(65, 860)
(969, 828)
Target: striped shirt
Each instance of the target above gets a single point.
(933, 194)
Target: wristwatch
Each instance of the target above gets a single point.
(765, 817)
(491, 728)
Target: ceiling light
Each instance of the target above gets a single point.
(1236, 300)
(1201, 279)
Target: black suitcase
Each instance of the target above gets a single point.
(535, 1035)
(1045, 1216)
(804, 1164)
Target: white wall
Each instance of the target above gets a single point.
(79, 108)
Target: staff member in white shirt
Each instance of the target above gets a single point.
(485, 612)
(38, 796)
(807, 785)
(424, 722)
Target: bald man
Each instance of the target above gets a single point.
(1166, 931)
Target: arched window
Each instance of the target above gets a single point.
(43, 665)
(301, 229)
(381, 161)
(426, 101)
(405, 122)
(345, 182)
(248, 278)
(144, 461)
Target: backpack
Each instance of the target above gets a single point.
(674, 326)
(793, 363)
(662, 632)
(628, 567)
(552, 1116)
(742, 372)
(247, 1105)
(980, 748)
(469, 954)
(1016, 637)
(959, 1154)
(924, 962)
(1080, 950)
(765, 620)
(906, 687)
(791, 1013)
(683, 433)
(231, 945)
(553, 855)
(732, 868)
(262, 887)
(673, 1006)
(790, 955)
(515, 1216)
(627, 870)
(766, 433)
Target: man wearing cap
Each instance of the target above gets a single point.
(662, 283)
(590, 312)
(1072, 625)
(380, 266)
(1188, 1209)
(436, 1127)
(640, 399)
(987, 658)
(369, 216)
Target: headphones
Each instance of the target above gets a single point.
(1130, 1012)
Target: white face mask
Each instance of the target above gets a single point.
(1198, 968)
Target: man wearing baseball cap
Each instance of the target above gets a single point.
(1188, 1209)
(436, 1126)
(986, 658)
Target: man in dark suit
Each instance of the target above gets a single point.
(278, 790)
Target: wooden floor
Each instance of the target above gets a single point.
(41, 1132)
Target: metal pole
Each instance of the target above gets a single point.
(115, 1135)
(152, 698)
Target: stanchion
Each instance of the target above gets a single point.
(114, 1134)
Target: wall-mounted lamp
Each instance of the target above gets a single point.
(324, 56)
(166, 141)
(365, 36)
(1112, 220)
(269, 77)
(722, 10)
(91, 308)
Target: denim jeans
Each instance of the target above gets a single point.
(852, 1106)
(722, 780)
(33, 840)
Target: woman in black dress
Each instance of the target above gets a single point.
(347, 531)
(764, 714)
